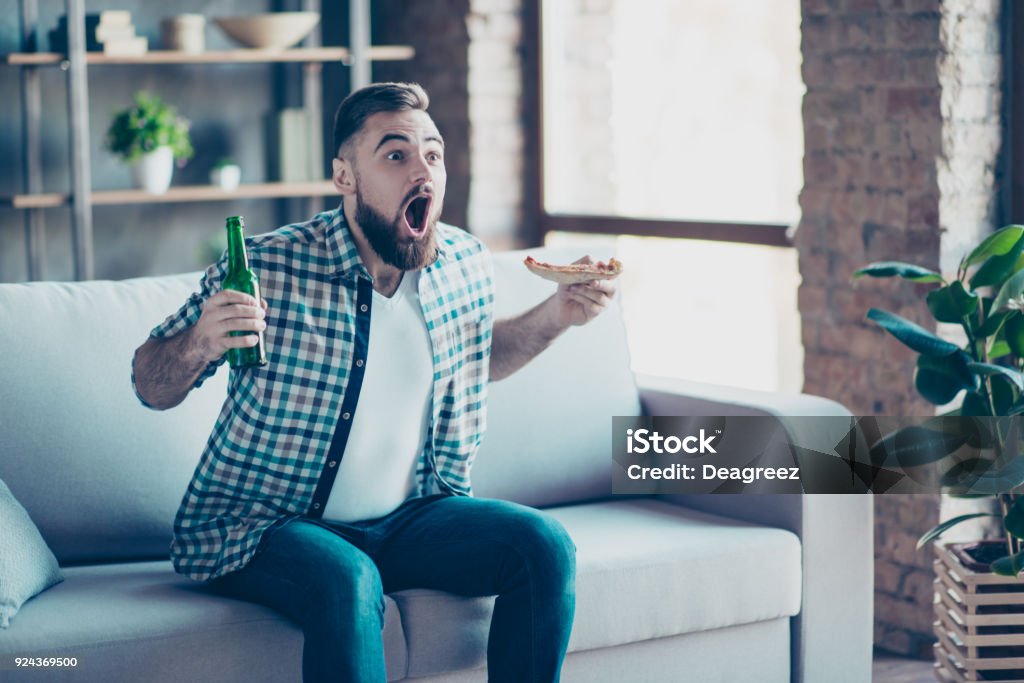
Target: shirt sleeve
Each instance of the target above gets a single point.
(186, 316)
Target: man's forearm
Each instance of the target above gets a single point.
(166, 369)
(517, 341)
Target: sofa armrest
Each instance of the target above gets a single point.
(832, 635)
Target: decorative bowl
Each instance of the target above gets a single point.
(270, 31)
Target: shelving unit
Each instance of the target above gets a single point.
(248, 56)
(34, 201)
(178, 193)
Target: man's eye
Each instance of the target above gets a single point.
(434, 156)
(394, 156)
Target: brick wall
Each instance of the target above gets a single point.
(497, 118)
(902, 128)
(438, 32)
(469, 57)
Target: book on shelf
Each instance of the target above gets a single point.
(298, 155)
(106, 33)
(115, 17)
(128, 47)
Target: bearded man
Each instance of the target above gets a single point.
(339, 471)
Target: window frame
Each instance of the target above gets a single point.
(542, 221)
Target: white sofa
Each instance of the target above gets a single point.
(688, 588)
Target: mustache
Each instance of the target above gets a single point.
(416, 191)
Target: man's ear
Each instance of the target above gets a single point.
(344, 176)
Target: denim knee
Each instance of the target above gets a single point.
(349, 587)
(546, 548)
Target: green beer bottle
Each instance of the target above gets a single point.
(242, 279)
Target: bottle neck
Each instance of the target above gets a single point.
(237, 258)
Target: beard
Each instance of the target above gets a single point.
(383, 236)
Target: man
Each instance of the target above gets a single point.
(340, 471)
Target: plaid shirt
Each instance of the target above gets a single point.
(274, 450)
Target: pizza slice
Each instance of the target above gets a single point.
(574, 273)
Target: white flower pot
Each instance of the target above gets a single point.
(226, 177)
(154, 170)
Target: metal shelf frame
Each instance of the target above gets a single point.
(358, 56)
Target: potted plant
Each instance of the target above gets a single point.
(226, 174)
(976, 447)
(150, 135)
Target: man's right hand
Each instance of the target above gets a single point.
(225, 312)
(166, 369)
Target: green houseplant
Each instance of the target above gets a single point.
(979, 615)
(986, 299)
(150, 135)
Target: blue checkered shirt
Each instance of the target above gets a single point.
(275, 447)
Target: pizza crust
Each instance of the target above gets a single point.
(574, 273)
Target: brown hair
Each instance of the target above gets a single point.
(372, 99)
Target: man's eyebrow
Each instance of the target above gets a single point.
(405, 138)
(389, 137)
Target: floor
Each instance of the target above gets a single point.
(892, 669)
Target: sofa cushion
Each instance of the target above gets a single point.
(27, 566)
(645, 569)
(100, 474)
(548, 439)
(123, 619)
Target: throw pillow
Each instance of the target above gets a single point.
(27, 566)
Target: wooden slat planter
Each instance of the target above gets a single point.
(979, 623)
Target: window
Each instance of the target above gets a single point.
(666, 119)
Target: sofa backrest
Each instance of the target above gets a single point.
(102, 476)
(549, 431)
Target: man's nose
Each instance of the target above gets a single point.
(420, 169)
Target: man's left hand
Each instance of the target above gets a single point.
(580, 303)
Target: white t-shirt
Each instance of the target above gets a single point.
(377, 472)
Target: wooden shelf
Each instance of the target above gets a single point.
(185, 193)
(305, 54)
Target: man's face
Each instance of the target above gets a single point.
(399, 173)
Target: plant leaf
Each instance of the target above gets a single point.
(952, 303)
(907, 271)
(998, 350)
(960, 476)
(1008, 566)
(1003, 397)
(916, 445)
(1011, 289)
(1008, 374)
(943, 527)
(974, 405)
(1014, 521)
(998, 243)
(997, 268)
(911, 334)
(993, 481)
(992, 324)
(939, 379)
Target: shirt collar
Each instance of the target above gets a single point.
(344, 255)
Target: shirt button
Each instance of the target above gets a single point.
(359, 362)
(345, 416)
(364, 308)
(332, 463)
(316, 506)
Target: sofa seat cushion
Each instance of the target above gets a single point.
(126, 621)
(645, 569)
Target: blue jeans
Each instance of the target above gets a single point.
(331, 578)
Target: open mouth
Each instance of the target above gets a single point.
(416, 213)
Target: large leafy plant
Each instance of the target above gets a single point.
(986, 299)
(149, 124)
